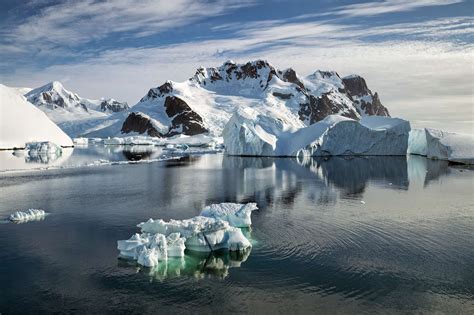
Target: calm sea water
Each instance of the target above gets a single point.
(359, 235)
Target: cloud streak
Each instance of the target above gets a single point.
(68, 24)
(387, 6)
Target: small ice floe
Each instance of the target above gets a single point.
(96, 140)
(238, 215)
(28, 215)
(160, 239)
(80, 141)
(42, 148)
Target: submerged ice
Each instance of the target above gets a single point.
(216, 228)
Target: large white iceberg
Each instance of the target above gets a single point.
(250, 133)
(441, 145)
(22, 122)
(160, 239)
(28, 215)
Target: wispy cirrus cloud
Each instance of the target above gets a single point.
(60, 27)
(423, 69)
(387, 6)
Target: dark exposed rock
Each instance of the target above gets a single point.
(356, 88)
(283, 96)
(184, 119)
(160, 91)
(332, 94)
(290, 76)
(319, 107)
(166, 88)
(140, 123)
(375, 108)
(113, 106)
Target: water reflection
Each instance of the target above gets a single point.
(18, 160)
(194, 264)
(352, 174)
(141, 152)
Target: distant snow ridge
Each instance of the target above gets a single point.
(75, 115)
(159, 239)
(441, 145)
(54, 96)
(205, 102)
(28, 215)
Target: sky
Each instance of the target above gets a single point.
(418, 55)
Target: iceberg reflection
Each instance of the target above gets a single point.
(197, 265)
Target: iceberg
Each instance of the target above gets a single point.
(249, 133)
(238, 215)
(442, 145)
(42, 148)
(28, 215)
(160, 239)
(22, 122)
(114, 141)
(80, 141)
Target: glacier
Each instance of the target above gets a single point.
(159, 239)
(22, 122)
(251, 133)
(442, 145)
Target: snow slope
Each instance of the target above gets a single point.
(254, 134)
(206, 102)
(441, 145)
(22, 122)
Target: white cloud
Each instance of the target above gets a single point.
(71, 23)
(430, 82)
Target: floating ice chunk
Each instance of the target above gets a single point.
(96, 140)
(42, 148)
(160, 239)
(28, 215)
(138, 140)
(158, 242)
(441, 145)
(132, 247)
(114, 141)
(148, 257)
(238, 215)
(176, 245)
(187, 227)
(236, 240)
(80, 141)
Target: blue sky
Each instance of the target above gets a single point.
(417, 54)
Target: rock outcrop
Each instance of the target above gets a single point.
(205, 102)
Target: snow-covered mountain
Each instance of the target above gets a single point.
(21, 122)
(74, 114)
(205, 102)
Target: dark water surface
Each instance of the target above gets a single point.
(361, 235)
